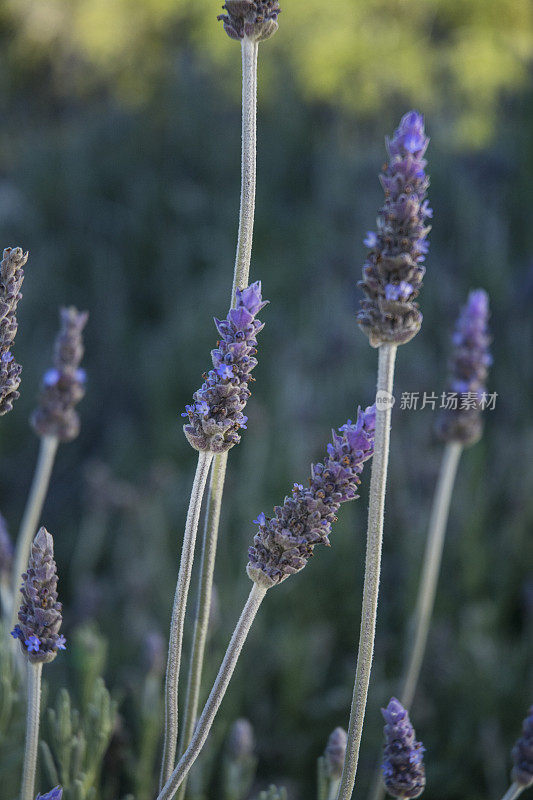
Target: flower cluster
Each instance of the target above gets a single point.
(284, 543)
(256, 19)
(335, 753)
(522, 753)
(11, 277)
(40, 613)
(215, 416)
(469, 369)
(63, 385)
(393, 271)
(403, 767)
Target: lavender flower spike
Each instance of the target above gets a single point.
(403, 768)
(53, 794)
(215, 416)
(284, 543)
(11, 277)
(335, 753)
(469, 369)
(393, 271)
(63, 385)
(255, 19)
(40, 613)
(522, 753)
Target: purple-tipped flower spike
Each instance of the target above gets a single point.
(216, 415)
(6, 551)
(403, 766)
(522, 754)
(335, 753)
(63, 385)
(469, 369)
(53, 794)
(256, 19)
(11, 277)
(40, 613)
(284, 543)
(393, 271)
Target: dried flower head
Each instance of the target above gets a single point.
(522, 754)
(11, 277)
(241, 740)
(40, 613)
(6, 551)
(63, 386)
(215, 416)
(53, 794)
(393, 271)
(284, 543)
(403, 767)
(256, 19)
(469, 366)
(335, 753)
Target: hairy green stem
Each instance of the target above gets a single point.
(178, 616)
(216, 696)
(248, 166)
(387, 355)
(428, 584)
(218, 473)
(32, 514)
(203, 608)
(27, 791)
(513, 791)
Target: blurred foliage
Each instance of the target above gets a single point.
(443, 55)
(119, 170)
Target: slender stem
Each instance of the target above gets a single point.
(218, 473)
(178, 616)
(27, 791)
(513, 791)
(431, 567)
(203, 608)
(387, 355)
(333, 789)
(428, 584)
(32, 514)
(248, 166)
(218, 691)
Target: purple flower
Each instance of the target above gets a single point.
(11, 277)
(392, 274)
(335, 753)
(261, 519)
(522, 754)
(216, 416)
(63, 385)
(468, 371)
(284, 543)
(403, 769)
(33, 644)
(53, 794)
(40, 612)
(241, 740)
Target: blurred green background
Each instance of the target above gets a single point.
(119, 171)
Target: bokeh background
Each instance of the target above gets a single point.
(119, 171)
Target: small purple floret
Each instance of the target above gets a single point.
(53, 794)
(33, 644)
(403, 769)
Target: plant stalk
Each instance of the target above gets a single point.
(178, 616)
(513, 791)
(27, 791)
(216, 696)
(428, 584)
(31, 517)
(203, 608)
(249, 51)
(386, 359)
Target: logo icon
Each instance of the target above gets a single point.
(384, 400)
